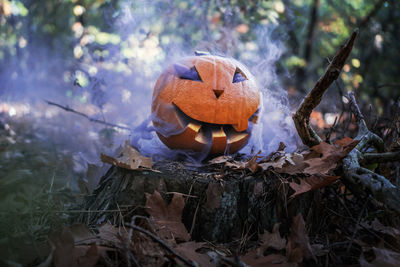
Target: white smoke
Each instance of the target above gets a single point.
(124, 96)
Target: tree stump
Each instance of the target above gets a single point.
(237, 205)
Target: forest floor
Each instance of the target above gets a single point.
(43, 180)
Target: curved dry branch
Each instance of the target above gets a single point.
(362, 178)
(369, 158)
(302, 116)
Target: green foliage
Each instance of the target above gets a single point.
(92, 39)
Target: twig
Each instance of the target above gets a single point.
(364, 135)
(234, 262)
(66, 108)
(331, 130)
(357, 225)
(359, 177)
(369, 158)
(302, 116)
(162, 243)
(194, 218)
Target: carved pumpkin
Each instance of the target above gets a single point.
(204, 104)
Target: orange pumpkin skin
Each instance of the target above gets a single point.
(204, 103)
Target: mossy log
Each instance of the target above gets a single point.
(219, 210)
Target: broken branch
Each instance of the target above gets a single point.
(66, 108)
(369, 158)
(162, 243)
(363, 178)
(302, 116)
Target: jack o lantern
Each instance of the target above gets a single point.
(204, 104)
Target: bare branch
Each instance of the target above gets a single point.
(302, 116)
(369, 158)
(66, 108)
(364, 179)
(365, 136)
(162, 243)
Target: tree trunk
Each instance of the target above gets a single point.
(223, 210)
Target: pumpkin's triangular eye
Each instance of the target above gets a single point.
(238, 76)
(186, 73)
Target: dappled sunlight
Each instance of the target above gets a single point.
(77, 84)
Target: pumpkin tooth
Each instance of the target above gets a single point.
(201, 136)
(219, 141)
(185, 139)
(237, 140)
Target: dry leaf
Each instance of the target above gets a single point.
(325, 157)
(383, 257)
(188, 250)
(252, 164)
(311, 183)
(80, 232)
(236, 165)
(167, 217)
(219, 160)
(276, 164)
(130, 159)
(273, 240)
(345, 142)
(294, 164)
(113, 234)
(253, 259)
(146, 250)
(91, 256)
(298, 246)
(68, 254)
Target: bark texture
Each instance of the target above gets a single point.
(236, 207)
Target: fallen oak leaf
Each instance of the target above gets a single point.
(276, 164)
(298, 246)
(252, 164)
(168, 218)
(130, 159)
(219, 160)
(311, 183)
(346, 142)
(273, 239)
(235, 165)
(295, 164)
(67, 253)
(325, 157)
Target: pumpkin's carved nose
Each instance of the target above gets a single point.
(218, 92)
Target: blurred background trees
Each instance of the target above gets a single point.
(100, 36)
(102, 57)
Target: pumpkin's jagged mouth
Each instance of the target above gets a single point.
(201, 136)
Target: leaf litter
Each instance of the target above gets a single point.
(303, 172)
(130, 159)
